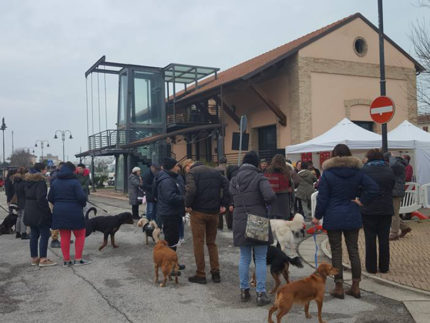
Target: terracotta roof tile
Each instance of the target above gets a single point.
(249, 67)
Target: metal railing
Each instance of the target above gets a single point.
(114, 138)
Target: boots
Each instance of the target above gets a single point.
(244, 295)
(338, 291)
(354, 290)
(262, 299)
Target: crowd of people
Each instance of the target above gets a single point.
(350, 196)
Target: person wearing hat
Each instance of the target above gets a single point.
(135, 191)
(170, 200)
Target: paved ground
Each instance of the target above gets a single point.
(118, 287)
(410, 257)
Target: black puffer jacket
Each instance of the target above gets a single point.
(251, 193)
(398, 165)
(19, 186)
(206, 189)
(36, 211)
(148, 183)
(383, 175)
(169, 194)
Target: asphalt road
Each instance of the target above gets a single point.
(118, 287)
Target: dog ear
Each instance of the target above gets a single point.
(324, 270)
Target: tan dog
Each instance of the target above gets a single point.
(165, 258)
(150, 228)
(302, 292)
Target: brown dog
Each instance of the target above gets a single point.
(165, 258)
(302, 292)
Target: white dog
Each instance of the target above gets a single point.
(283, 231)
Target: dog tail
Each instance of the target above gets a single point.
(87, 214)
(296, 261)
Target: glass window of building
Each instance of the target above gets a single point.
(122, 99)
(148, 98)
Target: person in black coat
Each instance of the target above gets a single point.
(170, 200)
(147, 184)
(8, 185)
(378, 213)
(19, 187)
(37, 215)
(68, 198)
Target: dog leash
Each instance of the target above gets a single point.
(97, 206)
(316, 247)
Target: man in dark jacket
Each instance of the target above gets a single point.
(206, 196)
(378, 213)
(83, 176)
(8, 186)
(222, 168)
(170, 200)
(148, 184)
(19, 186)
(398, 228)
(37, 214)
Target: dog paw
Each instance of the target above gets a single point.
(162, 285)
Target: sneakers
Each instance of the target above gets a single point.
(216, 278)
(405, 232)
(197, 280)
(25, 236)
(55, 244)
(244, 295)
(68, 263)
(81, 262)
(35, 262)
(46, 263)
(394, 237)
(262, 299)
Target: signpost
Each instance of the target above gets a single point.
(382, 73)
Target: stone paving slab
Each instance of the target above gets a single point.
(409, 257)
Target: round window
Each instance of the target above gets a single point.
(360, 46)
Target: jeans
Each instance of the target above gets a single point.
(351, 240)
(203, 226)
(43, 232)
(260, 253)
(151, 211)
(20, 226)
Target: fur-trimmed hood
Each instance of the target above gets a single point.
(36, 177)
(342, 162)
(17, 177)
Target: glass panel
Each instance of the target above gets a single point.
(119, 174)
(122, 99)
(148, 98)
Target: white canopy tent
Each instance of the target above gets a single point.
(408, 136)
(344, 132)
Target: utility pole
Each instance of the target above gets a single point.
(382, 71)
(13, 148)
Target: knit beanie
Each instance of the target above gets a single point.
(169, 163)
(251, 157)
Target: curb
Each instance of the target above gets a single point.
(99, 194)
(327, 253)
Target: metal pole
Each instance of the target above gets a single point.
(12, 143)
(382, 71)
(63, 139)
(41, 147)
(240, 148)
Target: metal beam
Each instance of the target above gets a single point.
(282, 118)
(229, 110)
(95, 65)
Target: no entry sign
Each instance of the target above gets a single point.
(382, 109)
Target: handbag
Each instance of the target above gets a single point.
(257, 227)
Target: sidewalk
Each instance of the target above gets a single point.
(110, 193)
(417, 301)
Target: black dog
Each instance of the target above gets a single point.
(9, 221)
(279, 264)
(109, 225)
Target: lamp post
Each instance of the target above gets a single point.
(63, 138)
(3, 128)
(42, 145)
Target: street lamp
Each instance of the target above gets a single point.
(63, 138)
(42, 144)
(3, 128)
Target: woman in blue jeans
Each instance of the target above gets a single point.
(251, 193)
(37, 215)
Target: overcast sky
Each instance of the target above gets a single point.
(47, 45)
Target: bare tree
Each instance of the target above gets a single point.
(420, 37)
(21, 158)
